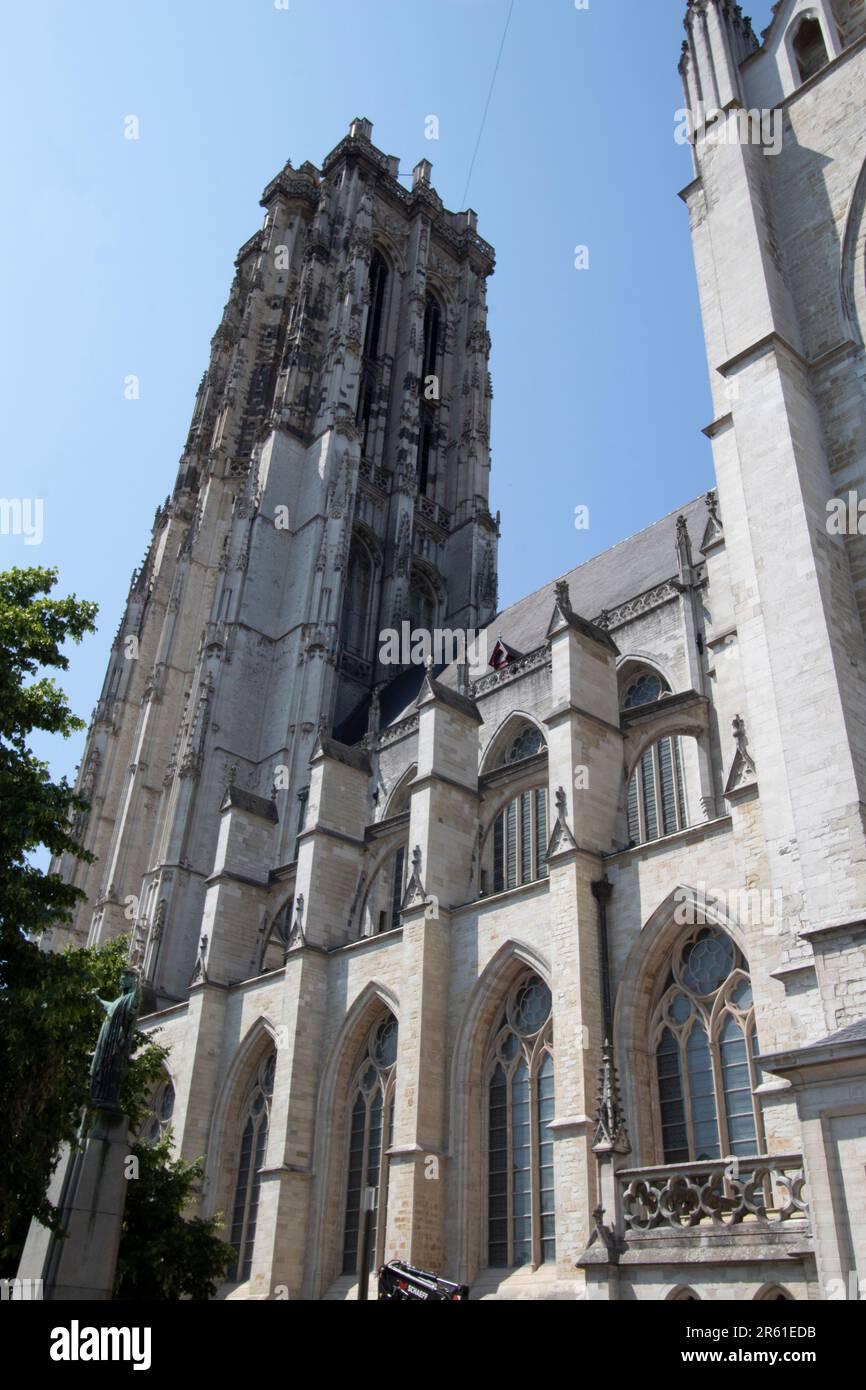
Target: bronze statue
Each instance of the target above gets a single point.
(111, 1054)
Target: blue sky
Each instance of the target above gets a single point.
(117, 254)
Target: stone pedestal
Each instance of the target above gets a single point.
(89, 1190)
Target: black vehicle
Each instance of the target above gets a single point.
(401, 1281)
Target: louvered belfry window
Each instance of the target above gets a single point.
(656, 794)
(520, 835)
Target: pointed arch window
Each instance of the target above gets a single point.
(422, 605)
(162, 1109)
(705, 1045)
(810, 50)
(656, 793)
(431, 391)
(395, 873)
(521, 1222)
(254, 1142)
(371, 1125)
(520, 835)
(369, 385)
(356, 604)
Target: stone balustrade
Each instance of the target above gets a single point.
(761, 1191)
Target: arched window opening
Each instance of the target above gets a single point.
(356, 604)
(368, 389)
(389, 915)
(775, 1294)
(520, 836)
(381, 908)
(378, 284)
(521, 1223)
(656, 793)
(430, 393)
(158, 1122)
(277, 940)
(705, 1044)
(371, 1110)
(401, 795)
(810, 50)
(527, 743)
(422, 606)
(645, 689)
(683, 1295)
(254, 1142)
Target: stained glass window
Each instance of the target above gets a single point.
(644, 691)
(162, 1109)
(526, 745)
(371, 1109)
(705, 1046)
(520, 1106)
(254, 1142)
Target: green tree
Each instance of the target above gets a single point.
(36, 811)
(50, 1017)
(47, 1011)
(50, 1013)
(163, 1254)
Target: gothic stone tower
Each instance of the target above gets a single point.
(778, 237)
(334, 482)
(779, 231)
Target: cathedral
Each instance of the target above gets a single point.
(547, 947)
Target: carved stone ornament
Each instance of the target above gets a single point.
(415, 891)
(611, 1135)
(561, 837)
(743, 774)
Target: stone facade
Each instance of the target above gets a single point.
(305, 843)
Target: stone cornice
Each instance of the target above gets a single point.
(842, 926)
(690, 835)
(382, 829)
(229, 876)
(647, 714)
(537, 888)
(437, 779)
(509, 771)
(716, 427)
(331, 834)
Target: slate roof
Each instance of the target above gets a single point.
(607, 580)
(627, 569)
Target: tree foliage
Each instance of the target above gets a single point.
(36, 810)
(163, 1254)
(50, 1010)
(50, 1018)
